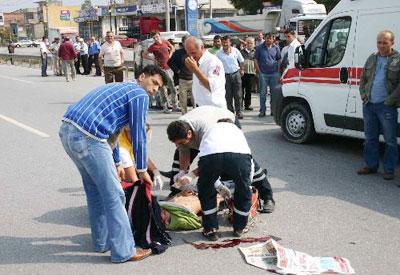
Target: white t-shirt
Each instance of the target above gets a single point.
(126, 159)
(224, 137)
(212, 67)
(112, 54)
(44, 48)
(291, 50)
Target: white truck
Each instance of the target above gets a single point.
(321, 94)
(300, 15)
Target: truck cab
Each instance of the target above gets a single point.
(321, 94)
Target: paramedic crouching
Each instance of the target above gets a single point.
(380, 92)
(224, 152)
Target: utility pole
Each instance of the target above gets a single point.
(210, 5)
(167, 16)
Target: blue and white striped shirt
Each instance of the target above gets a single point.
(110, 107)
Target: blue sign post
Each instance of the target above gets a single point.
(191, 16)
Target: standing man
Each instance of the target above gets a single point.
(267, 62)
(162, 51)
(77, 47)
(44, 52)
(11, 51)
(217, 45)
(292, 43)
(67, 55)
(84, 56)
(84, 132)
(260, 39)
(54, 47)
(94, 51)
(249, 76)
(380, 93)
(111, 59)
(232, 61)
(208, 74)
(177, 64)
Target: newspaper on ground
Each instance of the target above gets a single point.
(275, 258)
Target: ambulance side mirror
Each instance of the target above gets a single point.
(300, 57)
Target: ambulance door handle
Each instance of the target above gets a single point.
(344, 75)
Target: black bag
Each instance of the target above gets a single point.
(144, 214)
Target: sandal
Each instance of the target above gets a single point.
(211, 234)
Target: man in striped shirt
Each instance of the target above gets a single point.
(84, 132)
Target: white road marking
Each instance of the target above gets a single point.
(15, 79)
(25, 127)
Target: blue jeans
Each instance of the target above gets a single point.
(265, 80)
(44, 65)
(379, 118)
(105, 198)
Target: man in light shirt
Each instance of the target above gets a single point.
(232, 61)
(208, 74)
(44, 52)
(54, 47)
(292, 43)
(111, 59)
(84, 56)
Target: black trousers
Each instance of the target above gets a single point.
(84, 59)
(94, 59)
(233, 96)
(260, 179)
(247, 84)
(78, 64)
(235, 166)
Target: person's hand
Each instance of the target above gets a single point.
(180, 174)
(241, 72)
(145, 177)
(191, 64)
(186, 179)
(224, 191)
(157, 179)
(120, 172)
(76, 59)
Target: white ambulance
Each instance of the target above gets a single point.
(321, 95)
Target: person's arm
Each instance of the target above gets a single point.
(147, 56)
(171, 48)
(122, 53)
(138, 114)
(278, 58)
(241, 62)
(256, 56)
(191, 64)
(184, 158)
(101, 58)
(128, 164)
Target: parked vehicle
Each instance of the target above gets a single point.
(24, 43)
(321, 95)
(176, 36)
(126, 41)
(272, 19)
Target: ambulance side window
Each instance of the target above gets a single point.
(316, 48)
(329, 46)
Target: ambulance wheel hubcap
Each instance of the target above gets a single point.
(296, 123)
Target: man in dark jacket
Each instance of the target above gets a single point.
(380, 93)
(177, 65)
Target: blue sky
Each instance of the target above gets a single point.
(11, 5)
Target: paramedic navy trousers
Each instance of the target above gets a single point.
(108, 219)
(235, 166)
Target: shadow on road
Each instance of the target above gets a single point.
(327, 167)
(74, 216)
(71, 249)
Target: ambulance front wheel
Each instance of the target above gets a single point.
(297, 123)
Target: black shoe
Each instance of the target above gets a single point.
(211, 234)
(248, 108)
(239, 232)
(268, 207)
(366, 171)
(240, 116)
(168, 174)
(261, 114)
(388, 176)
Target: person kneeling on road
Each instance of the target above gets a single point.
(223, 152)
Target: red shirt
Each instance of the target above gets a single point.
(67, 51)
(161, 53)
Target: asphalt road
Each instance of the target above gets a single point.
(323, 208)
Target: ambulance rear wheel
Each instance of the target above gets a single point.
(297, 123)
